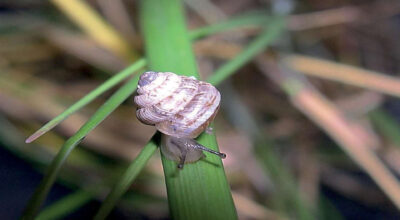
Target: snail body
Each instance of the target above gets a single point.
(181, 108)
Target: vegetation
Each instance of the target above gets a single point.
(290, 124)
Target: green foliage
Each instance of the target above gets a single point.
(66, 205)
(44, 187)
(200, 190)
(270, 34)
(117, 78)
(202, 184)
(127, 178)
(253, 19)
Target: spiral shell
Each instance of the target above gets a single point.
(178, 106)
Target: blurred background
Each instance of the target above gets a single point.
(313, 118)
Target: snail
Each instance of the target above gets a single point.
(181, 108)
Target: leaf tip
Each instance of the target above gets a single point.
(34, 136)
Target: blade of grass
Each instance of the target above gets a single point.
(127, 178)
(88, 98)
(66, 205)
(323, 18)
(44, 187)
(11, 139)
(286, 197)
(256, 19)
(118, 14)
(200, 190)
(330, 119)
(207, 10)
(85, 49)
(252, 210)
(145, 155)
(275, 27)
(121, 188)
(345, 74)
(96, 27)
(116, 193)
(229, 68)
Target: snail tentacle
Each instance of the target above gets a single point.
(203, 148)
(182, 161)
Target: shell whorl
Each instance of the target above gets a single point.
(178, 106)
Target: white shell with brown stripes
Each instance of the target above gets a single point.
(178, 106)
(181, 108)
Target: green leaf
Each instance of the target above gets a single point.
(200, 190)
(221, 75)
(271, 33)
(148, 150)
(44, 187)
(255, 19)
(66, 205)
(117, 78)
(127, 178)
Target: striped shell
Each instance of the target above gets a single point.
(178, 106)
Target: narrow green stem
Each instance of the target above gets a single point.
(254, 19)
(44, 187)
(117, 78)
(127, 178)
(271, 33)
(66, 205)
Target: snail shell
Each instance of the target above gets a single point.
(181, 108)
(178, 106)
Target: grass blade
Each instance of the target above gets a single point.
(120, 188)
(88, 98)
(334, 122)
(127, 178)
(44, 187)
(286, 197)
(96, 27)
(200, 190)
(343, 73)
(257, 46)
(66, 205)
(241, 21)
(143, 157)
